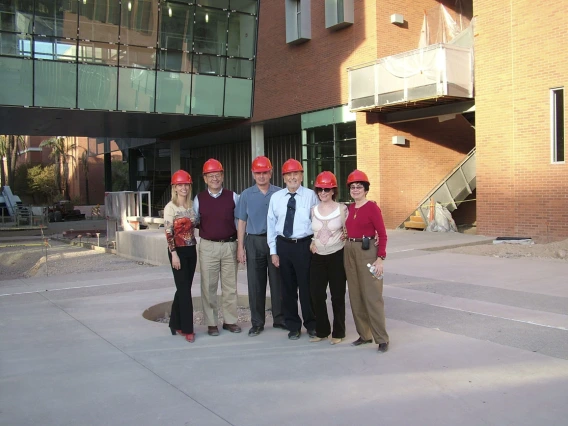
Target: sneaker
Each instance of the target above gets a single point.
(294, 335)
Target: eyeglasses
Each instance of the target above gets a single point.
(323, 190)
(356, 187)
(215, 176)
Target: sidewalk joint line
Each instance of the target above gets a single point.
(136, 361)
(480, 313)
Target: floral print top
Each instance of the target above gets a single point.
(179, 223)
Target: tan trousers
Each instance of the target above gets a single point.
(365, 293)
(218, 260)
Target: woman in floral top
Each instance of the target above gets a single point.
(180, 222)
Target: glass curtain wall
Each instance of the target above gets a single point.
(333, 148)
(175, 57)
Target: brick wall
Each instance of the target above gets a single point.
(518, 60)
(402, 175)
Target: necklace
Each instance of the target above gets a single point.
(356, 211)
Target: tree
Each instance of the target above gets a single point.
(84, 161)
(42, 182)
(10, 147)
(119, 170)
(60, 152)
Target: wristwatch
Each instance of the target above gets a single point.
(382, 257)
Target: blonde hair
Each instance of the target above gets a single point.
(188, 201)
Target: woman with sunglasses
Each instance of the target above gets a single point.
(364, 223)
(326, 266)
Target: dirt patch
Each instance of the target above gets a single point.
(556, 251)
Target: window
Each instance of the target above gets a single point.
(557, 124)
(332, 147)
(298, 21)
(338, 14)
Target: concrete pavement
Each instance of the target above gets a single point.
(474, 341)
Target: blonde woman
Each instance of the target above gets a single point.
(180, 222)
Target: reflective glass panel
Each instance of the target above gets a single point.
(139, 22)
(210, 31)
(54, 84)
(248, 6)
(15, 44)
(345, 131)
(98, 53)
(97, 87)
(222, 4)
(56, 18)
(17, 16)
(240, 68)
(16, 81)
(136, 89)
(238, 95)
(207, 95)
(174, 60)
(242, 30)
(55, 49)
(98, 20)
(176, 26)
(173, 92)
(138, 57)
(207, 64)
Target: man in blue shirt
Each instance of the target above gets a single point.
(253, 248)
(289, 237)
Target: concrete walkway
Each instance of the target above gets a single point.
(474, 341)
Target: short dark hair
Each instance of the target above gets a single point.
(365, 185)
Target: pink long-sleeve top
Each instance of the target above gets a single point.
(364, 221)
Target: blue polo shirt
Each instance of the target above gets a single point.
(253, 208)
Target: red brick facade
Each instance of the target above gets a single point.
(520, 54)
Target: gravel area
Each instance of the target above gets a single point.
(25, 259)
(555, 251)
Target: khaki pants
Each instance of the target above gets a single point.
(365, 293)
(218, 260)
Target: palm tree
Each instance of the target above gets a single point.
(60, 152)
(10, 148)
(84, 160)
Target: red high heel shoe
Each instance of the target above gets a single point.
(190, 337)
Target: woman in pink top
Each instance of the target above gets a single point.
(365, 220)
(327, 260)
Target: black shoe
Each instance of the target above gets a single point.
(281, 326)
(312, 333)
(255, 330)
(294, 335)
(212, 330)
(383, 347)
(360, 341)
(233, 328)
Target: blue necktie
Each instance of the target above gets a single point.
(290, 212)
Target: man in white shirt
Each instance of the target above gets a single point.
(290, 234)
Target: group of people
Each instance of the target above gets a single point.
(297, 240)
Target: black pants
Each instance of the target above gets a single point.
(258, 263)
(323, 270)
(181, 317)
(295, 273)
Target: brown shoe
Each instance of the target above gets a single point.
(213, 330)
(233, 328)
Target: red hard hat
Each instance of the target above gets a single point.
(357, 176)
(181, 176)
(292, 165)
(261, 164)
(212, 166)
(326, 180)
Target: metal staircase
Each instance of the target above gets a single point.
(450, 192)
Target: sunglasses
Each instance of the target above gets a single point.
(356, 187)
(323, 189)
